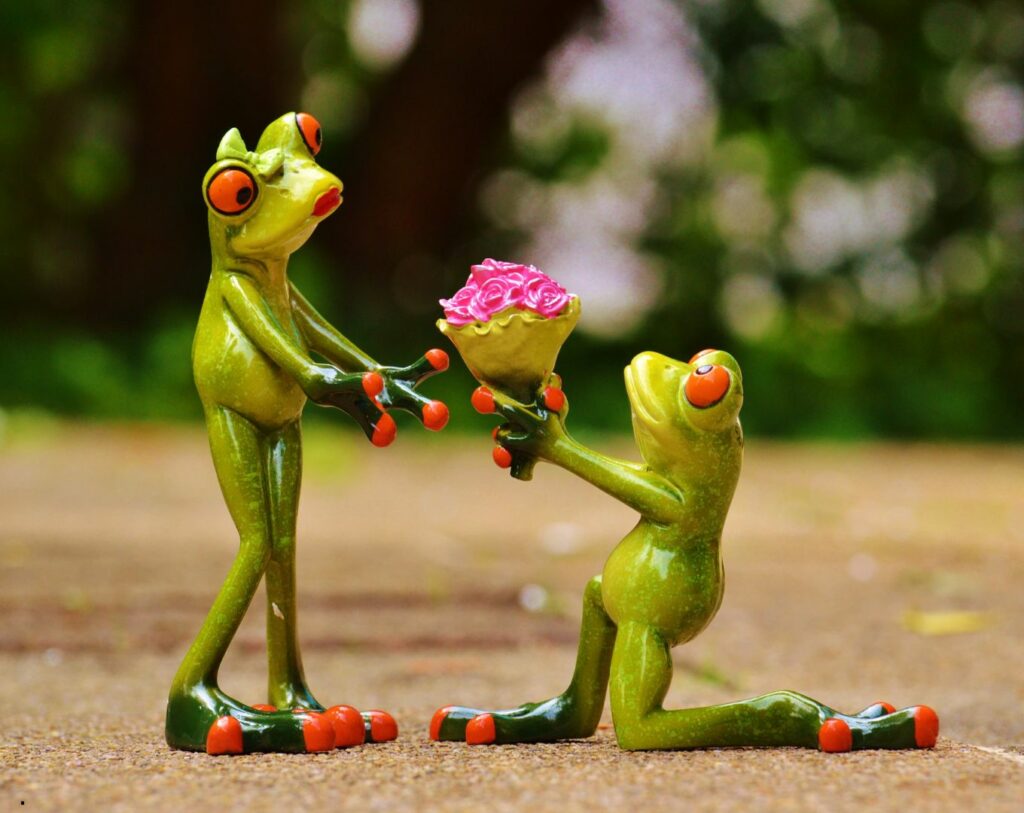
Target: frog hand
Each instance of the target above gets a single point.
(398, 390)
(530, 431)
(357, 394)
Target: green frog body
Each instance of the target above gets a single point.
(261, 351)
(664, 582)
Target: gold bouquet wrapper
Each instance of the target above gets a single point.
(516, 350)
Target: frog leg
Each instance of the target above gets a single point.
(642, 671)
(286, 681)
(199, 715)
(572, 714)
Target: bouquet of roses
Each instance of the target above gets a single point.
(508, 323)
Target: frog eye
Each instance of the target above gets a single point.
(707, 385)
(231, 191)
(702, 353)
(309, 127)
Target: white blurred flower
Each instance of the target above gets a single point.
(994, 113)
(835, 218)
(895, 201)
(382, 31)
(829, 217)
(616, 284)
(636, 76)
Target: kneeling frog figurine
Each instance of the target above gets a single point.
(255, 369)
(664, 582)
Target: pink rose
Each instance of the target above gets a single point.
(544, 296)
(492, 268)
(494, 286)
(457, 309)
(495, 295)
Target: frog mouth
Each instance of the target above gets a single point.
(327, 202)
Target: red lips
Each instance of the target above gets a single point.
(327, 201)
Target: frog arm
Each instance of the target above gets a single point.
(255, 318)
(325, 338)
(634, 484)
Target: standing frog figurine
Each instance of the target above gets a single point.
(664, 582)
(254, 372)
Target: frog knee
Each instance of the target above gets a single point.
(257, 548)
(630, 736)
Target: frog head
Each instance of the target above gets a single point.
(266, 203)
(685, 414)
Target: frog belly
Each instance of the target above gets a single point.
(230, 371)
(675, 585)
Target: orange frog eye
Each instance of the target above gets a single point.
(231, 191)
(310, 129)
(707, 385)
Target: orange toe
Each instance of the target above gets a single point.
(483, 400)
(349, 728)
(373, 383)
(264, 707)
(889, 707)
(926, 727)
(435, 416)
(318, 732)
(835, 736)
(383, 727)
(438, 359)
(437, 720)
(502, 457)
(224, 737)
(385, 431)
(554, 399)
(480, 730)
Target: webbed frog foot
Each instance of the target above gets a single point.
(351, 727)
(914, 727)
(206, 719)
(552, 720)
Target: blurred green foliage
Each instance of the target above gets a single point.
(853, 231)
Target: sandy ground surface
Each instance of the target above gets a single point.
(428, 577)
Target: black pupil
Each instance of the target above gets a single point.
(244, 195)
(704, 369)
(319, 137)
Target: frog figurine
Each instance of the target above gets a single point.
(254, 369)
(663, 584)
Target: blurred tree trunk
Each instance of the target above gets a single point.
(192, 69)
(413, 172)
